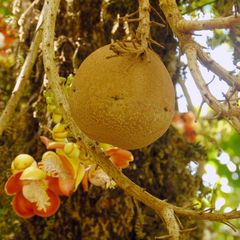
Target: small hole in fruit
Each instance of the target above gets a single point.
(116, 98)
(165, 109)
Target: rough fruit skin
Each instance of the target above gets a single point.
(127, 101)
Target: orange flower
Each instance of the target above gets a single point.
(31, 197)
(119, 157)
(184, 122)
(7, 37)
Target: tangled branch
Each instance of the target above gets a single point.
(182, 29)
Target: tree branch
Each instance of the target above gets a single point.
(187, 96)
(144, 23)
(221, 22)
(22, 79)
(171, 222)
(191, 53)
(221, 72)
(194, 52)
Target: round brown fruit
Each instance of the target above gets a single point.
(127, 101)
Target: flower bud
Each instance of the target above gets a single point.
(71, 150)
(21, 162)
(33, 173)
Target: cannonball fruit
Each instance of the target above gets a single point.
(124, 100)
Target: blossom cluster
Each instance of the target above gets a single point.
(36, 187)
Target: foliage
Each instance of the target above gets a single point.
(5, 7)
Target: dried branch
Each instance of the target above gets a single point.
(191, 53)
(22, 79)
(195, 52)
(142, 35)
(221, 72)
(16, 10)
(221, 22)
(23, 17)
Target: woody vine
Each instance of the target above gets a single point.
(183, 30)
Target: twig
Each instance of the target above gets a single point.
(24, 14)
(199, 110)
(198, 7)
(209, 63)
(232, 226)
(21, 80)
(221, 22)
(158, 14)
(157, 24)
(163, 237)
(16, 10)
(187, 96)
(155, 43)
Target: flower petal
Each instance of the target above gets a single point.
(56, 165)
(51, 144)
(120, 157)
(66, 186)
(79, 175)
(13, 184)
(52, 208)
(22, 206)
(53, 185)
(85, 182)
(60, 187)
(67, 164)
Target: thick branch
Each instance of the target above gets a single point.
(221, 22)
(21, 80)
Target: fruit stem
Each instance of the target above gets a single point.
(143, 31)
